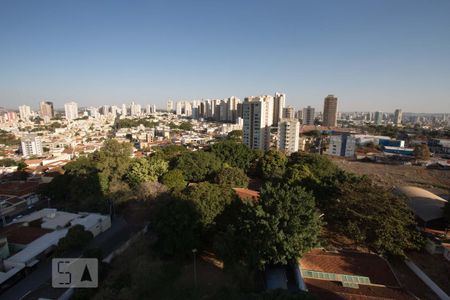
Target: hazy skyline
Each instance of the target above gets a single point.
(373, 55)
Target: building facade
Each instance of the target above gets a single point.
(288, 135)
(342, 145)
(330, 111)
(31, 145)
(279, 101)
(46, 110)
(258, 117)
(71, 110)
(24, 112)
(309, 115)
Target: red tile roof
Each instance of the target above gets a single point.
(350, 263)
(18, 188)
(331, 290)
(246, 194)
(23, 235)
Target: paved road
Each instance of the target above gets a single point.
(108, 241)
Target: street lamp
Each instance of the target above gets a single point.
(194, 251)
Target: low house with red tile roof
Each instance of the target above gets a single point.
(350, 275)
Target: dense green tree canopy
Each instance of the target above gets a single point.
(209, 200)
(77, 238)
(233, 177)
(112, 162)
(177, 224)
(174, 180)
(235, 154)
(235, 135)
(272, 164)
(143, 169)
(279, 228)
(374, 216)
(198, 166)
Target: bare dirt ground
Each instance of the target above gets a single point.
(437, 181)
(435, 266)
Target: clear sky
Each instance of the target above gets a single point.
(372, 54)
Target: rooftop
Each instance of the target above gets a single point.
(350, 263)
(23, 235)
(426, 205)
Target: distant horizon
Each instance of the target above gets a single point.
(143, 106)
(373, 55)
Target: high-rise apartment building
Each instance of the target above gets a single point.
(124, 110)
(169, 105)
(135, 109)
(46, 110)
(398, 117)
(232, 106)
(378, 118)
(71, 110)
(288, 135)
(288, 112)
(24, 112)
(330, 111)
(31, 145)
(309, 115)
(279, 102)
(258, 117)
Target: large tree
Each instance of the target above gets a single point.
(176, 223)
(375, 217)
(209, 200)
(174, 180)
(112, 161)
(198, 166)
(272, 164)
(279, 228)
(235, 154)
(143, 170)
(233, 177)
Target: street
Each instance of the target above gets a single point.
(107, 241)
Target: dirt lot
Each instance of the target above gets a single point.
(435, 266)
(437, 181)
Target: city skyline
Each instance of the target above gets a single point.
(377, 55)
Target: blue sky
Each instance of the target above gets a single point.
(372, 54)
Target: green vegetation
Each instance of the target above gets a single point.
(76, 239)
(174, 180)
(191, 204)
(198, 166)
(374, 217)
(233, 177)
(142, 170)
(186, 126)
(235, 135)
(8, 162)
(236, 154)
(129, 123)
(8, 139)
(272, 164)
(278, 229)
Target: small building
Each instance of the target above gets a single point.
(426, 206)
(94, 223)
(342, 145)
